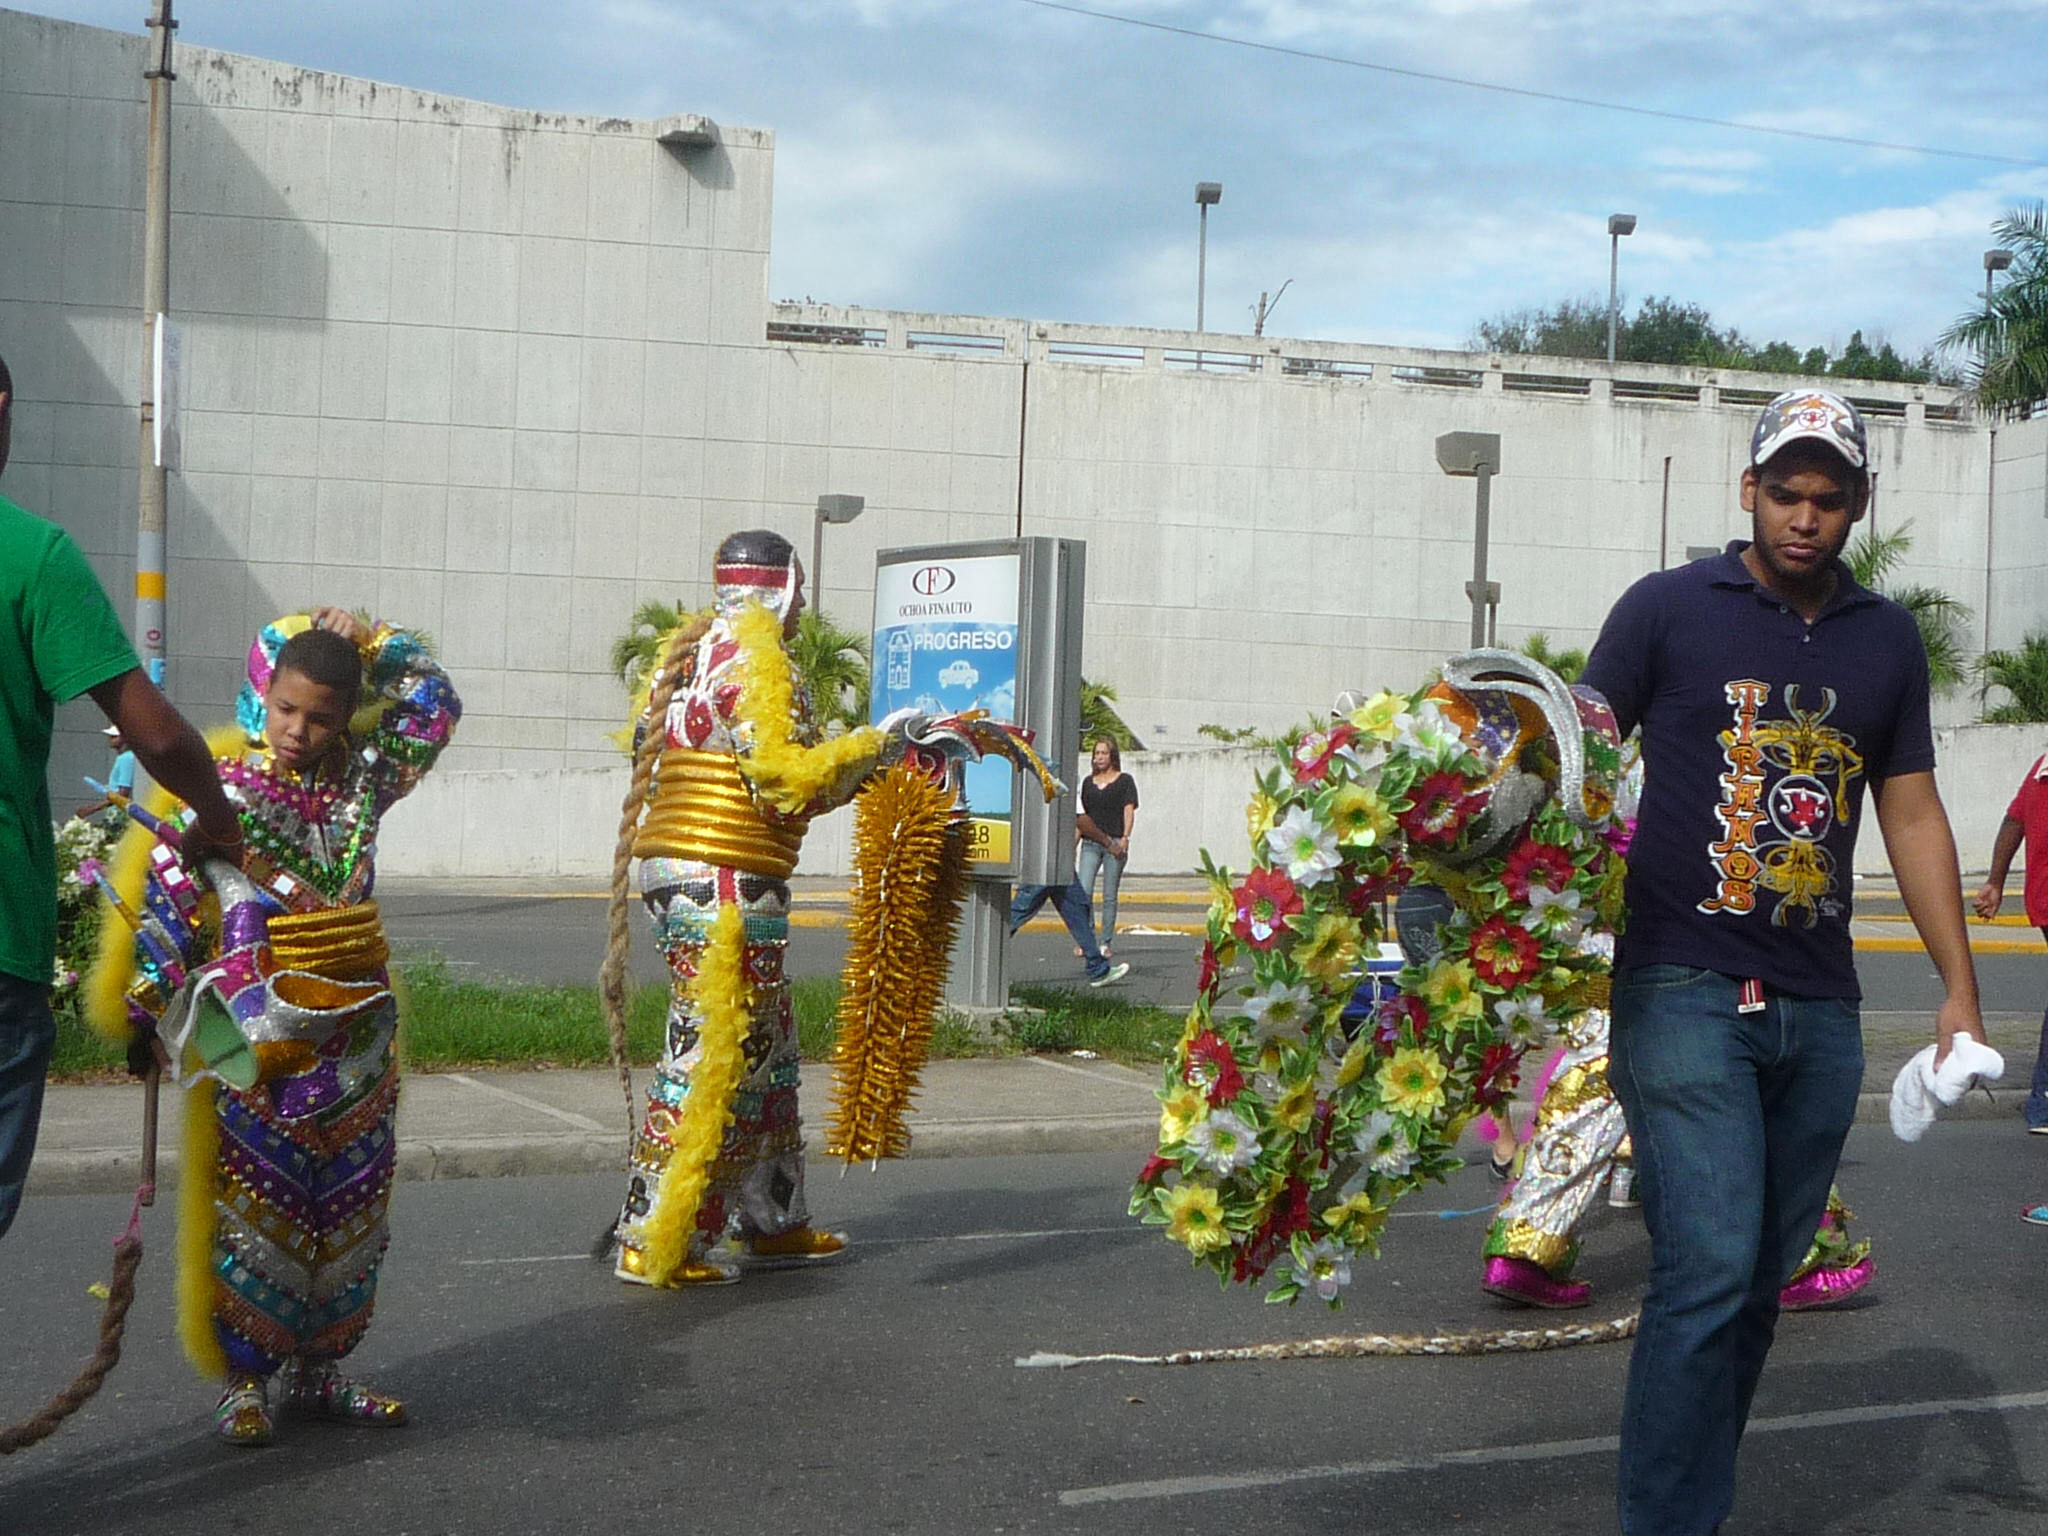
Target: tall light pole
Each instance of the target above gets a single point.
(1994, 261)
(1618, 224)
(156, 302)
(831, 509)
(1475, 455)
(1207, 195)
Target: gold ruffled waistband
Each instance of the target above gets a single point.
(702, 811)
(340, 943)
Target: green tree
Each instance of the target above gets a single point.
(638, 650)
(1872, 559)
(2008, 342)
(1099, 718)
(1566, 664)
(2023, 674)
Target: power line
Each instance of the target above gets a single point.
(1527, 92)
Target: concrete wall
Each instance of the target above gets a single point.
(2015, 589)
(565, 820)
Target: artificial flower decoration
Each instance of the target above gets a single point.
(1284, 1144)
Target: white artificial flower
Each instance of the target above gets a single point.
(1430, 734)
(1224, 1143)
(1384, 1141)
(1307, 846)
(1280, 1012)
(1559, 910)
(1521, 1017)
(1325, 1269)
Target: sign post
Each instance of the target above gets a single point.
(992, 625)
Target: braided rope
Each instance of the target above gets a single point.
(1483, 1341)
(113, 1322)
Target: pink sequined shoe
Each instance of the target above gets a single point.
(321, 1392)
(1825, 1287)
(1521, 1281)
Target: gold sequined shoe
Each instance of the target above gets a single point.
(632, 1268)
(243, 1415)
(799, 1245)
(321, 1392)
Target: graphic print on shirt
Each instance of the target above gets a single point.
(1788, 785)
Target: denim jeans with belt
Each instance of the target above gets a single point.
(1738, 1120)
(27, 1032)
(1089, 859)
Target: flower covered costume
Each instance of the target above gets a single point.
(739, 775)
(275, 990)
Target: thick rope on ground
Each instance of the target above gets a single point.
(113, 1322)
(1484, 1341)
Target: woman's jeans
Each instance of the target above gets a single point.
(1737, 1120)
(1089, 858)
(27, 1032)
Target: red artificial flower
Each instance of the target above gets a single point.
(1312, 757)
(1205, 978)
(1393, 1015)
(1213, 1069)
(1289, 1215)
(1535, 863)
(1264, 903)
(1499, 1070)
(1439, 809)
(1372, 889)
(1504, 954)
(1156, 1167)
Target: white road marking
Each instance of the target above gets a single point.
(567, 1117)
(1541, 1450)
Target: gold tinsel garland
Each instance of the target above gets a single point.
(910, 863)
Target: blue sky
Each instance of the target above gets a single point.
(992, 157)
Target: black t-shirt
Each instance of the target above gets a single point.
(1759, 734)
(1105, 803)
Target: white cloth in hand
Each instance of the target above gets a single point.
(1921, 1088)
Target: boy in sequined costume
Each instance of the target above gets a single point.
(300, 1128)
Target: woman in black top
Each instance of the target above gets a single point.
(1109, 797)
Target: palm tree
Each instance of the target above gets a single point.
(1871, 559)
(1099, 718)
(638, 650)
(1566, 664)
(2023, 674)
(2009, 336)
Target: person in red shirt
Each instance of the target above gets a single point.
(2026, 819)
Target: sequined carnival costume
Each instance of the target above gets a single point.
(280, 1014)
(740, 772)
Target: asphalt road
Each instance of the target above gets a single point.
(561, 939)
(881, 1394)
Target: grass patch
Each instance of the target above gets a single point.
(1137, 1034)
(80, 1052)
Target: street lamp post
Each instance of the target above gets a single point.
(831, 509)
(1475, 455)
(1994, 261)
(1207, 195)
(1618, 224)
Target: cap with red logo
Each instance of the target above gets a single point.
(1809, 414)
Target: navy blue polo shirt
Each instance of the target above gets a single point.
(1759, 733)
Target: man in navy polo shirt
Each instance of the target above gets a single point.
(1771, 689)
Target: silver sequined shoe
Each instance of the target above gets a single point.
(319, 1391)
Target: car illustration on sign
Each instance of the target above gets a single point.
(958, 674)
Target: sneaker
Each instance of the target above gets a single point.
(242, 1416)
(1519, 1280)
(1824, 1287)
(1116, 972)
(2037, 1130)
(2038, 1215)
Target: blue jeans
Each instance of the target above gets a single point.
(1738, 1120)
(27, 1032)
(1090, 858)
(1072, 904)
(2036, 1108)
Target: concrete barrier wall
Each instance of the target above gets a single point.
(537, 825)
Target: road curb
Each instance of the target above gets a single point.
(115, 1170)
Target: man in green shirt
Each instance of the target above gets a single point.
(59, 638)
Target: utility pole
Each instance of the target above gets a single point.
(156, 302)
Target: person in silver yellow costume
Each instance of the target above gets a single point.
(721, 799)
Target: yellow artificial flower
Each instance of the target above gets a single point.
(1452, 991)
(1194, 1216)
(1357, 1221)
(1180, 1112)
(1330, 948)
(1352, 1067)
(1412, 1081)
(1360, 816)
(1296, 1108)
(1377, 715)
(1221, 898)
(1259, 817)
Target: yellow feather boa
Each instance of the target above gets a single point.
(724, 1002)
(198, 1186)
(784, 772)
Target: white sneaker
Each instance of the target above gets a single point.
(1116, 972)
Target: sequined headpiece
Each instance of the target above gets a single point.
(757, 564)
